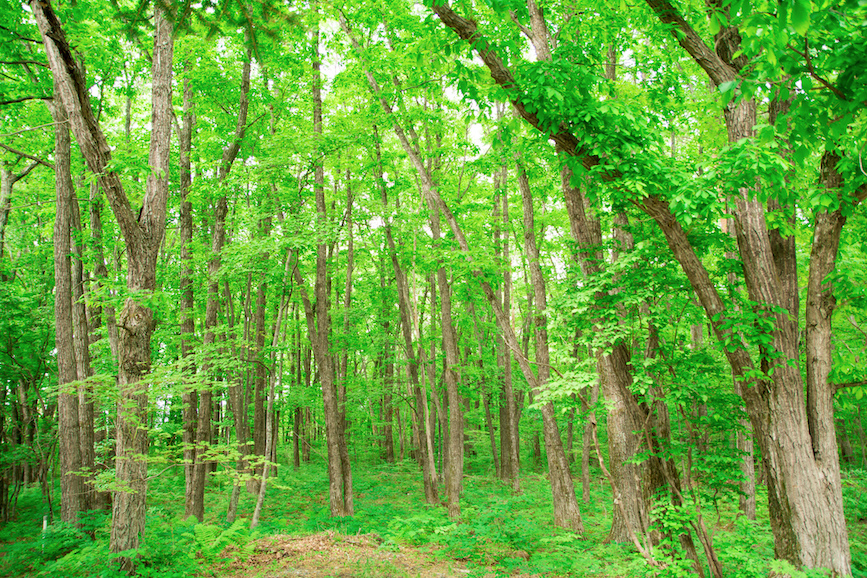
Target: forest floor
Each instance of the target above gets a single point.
(392, 534)
(331, 555)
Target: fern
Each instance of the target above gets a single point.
(212, 540)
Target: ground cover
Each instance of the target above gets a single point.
(392, 534)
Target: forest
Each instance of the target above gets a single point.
(452, 288)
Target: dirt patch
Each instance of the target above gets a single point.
(333, 555)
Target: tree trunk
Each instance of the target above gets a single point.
(509, 413)
(319, 328)
(615, 376)
(142, 237)
(405, 308)
(260, 370)
(587, 439)
(71, 484)
(566, 511)
(82, 360)
(189, 397)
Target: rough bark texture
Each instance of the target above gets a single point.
(142, 237)
(71, 484)
(631, 517)
(566, 511)
(190, 398)
(804, 492)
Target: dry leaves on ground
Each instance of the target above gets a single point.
(329, 554)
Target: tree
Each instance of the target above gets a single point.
(795, 456)
(142, 235)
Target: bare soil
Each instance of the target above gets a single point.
(332, 555)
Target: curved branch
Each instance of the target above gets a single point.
(686, 36)
(468, 31)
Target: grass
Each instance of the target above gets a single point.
(499, 534)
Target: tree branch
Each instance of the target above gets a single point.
(25, 38)
(23, 99)
(36, 62)
(710, 62)
(27, 156)
(27, 129)
(809, 62)
(468, 31)
(838, 386)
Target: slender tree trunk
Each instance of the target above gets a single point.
(82, 359)
(271, 430)
(455, 465)
(509, 413)
(72, 499)
(489, 422)
(407, 313)
(566, 511)
(190, 395)
(587, 439)
(319, 328)
(260, 370)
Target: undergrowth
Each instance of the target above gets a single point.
(497, 534)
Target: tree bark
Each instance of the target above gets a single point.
(82, 360)
(72, 499)
(566, 511)
(142, 237)
(190, 397)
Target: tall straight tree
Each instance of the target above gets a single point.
(71, 483)
(454, 450)
(405, 307)
(143, 235)
(340, 493)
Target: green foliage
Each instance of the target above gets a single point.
(213, 541)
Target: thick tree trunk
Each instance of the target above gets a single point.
(805, 532)
(142, 237)
(136, 320)
(624, 418)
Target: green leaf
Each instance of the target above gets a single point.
(800, 16)
(714, 24)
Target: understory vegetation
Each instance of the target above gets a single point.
(488, 287)
(498, 534)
